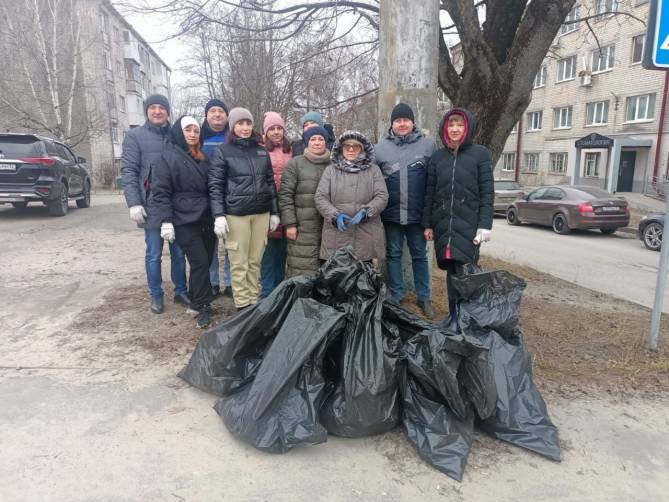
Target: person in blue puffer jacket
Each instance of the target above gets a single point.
(403, 156)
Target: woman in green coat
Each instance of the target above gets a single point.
(300, 218)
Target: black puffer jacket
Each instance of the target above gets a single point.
(241, 181)
(180, 185)
(459, 194)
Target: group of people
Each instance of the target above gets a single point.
(281, 208)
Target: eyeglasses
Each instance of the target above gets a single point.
(351, 146)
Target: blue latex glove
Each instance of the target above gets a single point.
(359, 216)
(341, 220)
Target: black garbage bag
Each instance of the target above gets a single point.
(279, 409)
(228, 356)
(490, 301)
(364, 364)
(521, 416)
(440, 436)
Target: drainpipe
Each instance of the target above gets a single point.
(658, 143)
(519, 133)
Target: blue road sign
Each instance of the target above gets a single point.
(661, 36)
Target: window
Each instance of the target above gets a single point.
(557, 163)
(126, 36)
(597, 113)
(604, 6)
(117, 35)
(640, 108)
(121, 102)
(562, 117)
(104, 22)
(592, 164)
(553, 194)
(108, 64)
(603, 58)
(532, 162)
(508, 161)
(537, 194)
(566, 69)
(638, 43)
(540, 78)
(574, 14)
(114, 133)
(534, 121)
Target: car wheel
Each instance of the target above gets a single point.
(20, 205)
(607, 231)
(560, 225)
(652, 236)
(512, 217)
(86, 201)
(58, 207)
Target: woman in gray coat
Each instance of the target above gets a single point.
(350, 196)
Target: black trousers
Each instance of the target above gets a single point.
(453, 269)
(198, 241)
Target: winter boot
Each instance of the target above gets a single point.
(204, 317)
(451, 323)
(157, 304)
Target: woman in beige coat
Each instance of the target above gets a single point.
(350, 196)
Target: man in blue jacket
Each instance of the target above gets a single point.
(142, 147)
(403, 156)
(213, 133)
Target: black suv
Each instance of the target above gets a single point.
(38, 169)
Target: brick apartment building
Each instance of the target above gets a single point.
(595, 112)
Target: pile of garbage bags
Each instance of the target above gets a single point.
(326, 354)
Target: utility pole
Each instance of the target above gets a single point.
(408, 64)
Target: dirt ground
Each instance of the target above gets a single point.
(89, 392)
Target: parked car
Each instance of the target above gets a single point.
(567, 207)
(38, 169)
(506, 191)
(650, 230)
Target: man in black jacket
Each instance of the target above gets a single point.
(458, 199)
(142, 147)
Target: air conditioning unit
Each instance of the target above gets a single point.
(585, 78)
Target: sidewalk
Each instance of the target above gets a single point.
(640, 205)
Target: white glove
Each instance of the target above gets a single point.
(137, 214)
(167, 232)
(221, 227)
(274, 221)
(482, 235)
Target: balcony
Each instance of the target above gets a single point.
(136, 119)
(134, 87)
(131, 51)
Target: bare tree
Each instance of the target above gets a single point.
(41, 81)
(502, 44)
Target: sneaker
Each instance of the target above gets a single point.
(227, 291)
(157, 304)
(427, 309)
(204, 317)
(216, 291)
(182, 299)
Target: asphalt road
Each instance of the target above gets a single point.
(617, 264)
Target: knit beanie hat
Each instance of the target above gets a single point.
(401, 111)
(272, 119)
(156, 99)
(237, 114)
(187, 120)
(314, 131)
(215, 102)
(313, 117)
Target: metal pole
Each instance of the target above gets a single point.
(661, 283)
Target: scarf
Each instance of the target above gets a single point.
(323, 158)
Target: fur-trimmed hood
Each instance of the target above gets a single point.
(364, 160)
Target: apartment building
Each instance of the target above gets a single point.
(120, 70)
(594, 117)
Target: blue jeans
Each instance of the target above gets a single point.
(153, 260)
(273, 266)
(214, 274)
(395, 235)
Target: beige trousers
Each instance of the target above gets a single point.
(245, 244)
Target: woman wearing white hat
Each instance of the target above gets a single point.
(180, 193)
